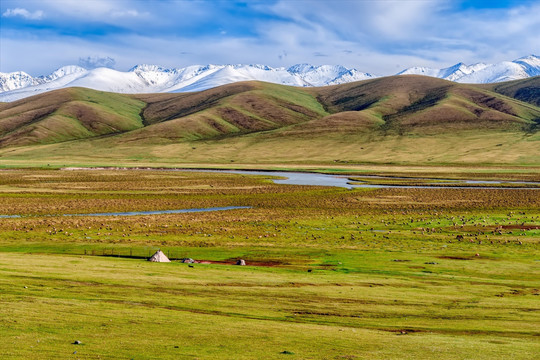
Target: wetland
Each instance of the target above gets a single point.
(332, 272)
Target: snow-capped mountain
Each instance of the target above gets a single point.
(152, 78)
(20, 79)
(15, 80)
(483, 73)
(327, 74)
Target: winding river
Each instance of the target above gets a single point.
(316, 179)
(313, 179)
(136, 213)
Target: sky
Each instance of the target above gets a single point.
(380, 37)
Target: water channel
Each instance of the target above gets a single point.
(136, 213)
(316, 179)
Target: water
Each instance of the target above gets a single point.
(136, 213)
(316, 179)
(300, 178)
(295, 178)
(303, 178)
(160, 212)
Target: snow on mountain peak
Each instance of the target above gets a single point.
(530, 63)
(67, 70)
(63, 71)
(15, 80)
(154, 78)
(483, 73)
(529, 58)
(147, 68)
(254, 66)
(300, 68)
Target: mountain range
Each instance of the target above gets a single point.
(395, 119)
(156, 79)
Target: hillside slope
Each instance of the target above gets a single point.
(424, 105)
(527, 90)
(234, 109)
(67, 114)
(394, 119)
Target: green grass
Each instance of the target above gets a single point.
(389, 276)
(252, 150)
(130, 308)
(405, 120)
(66, 115)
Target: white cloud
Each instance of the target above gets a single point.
(430, 33)
(92, 62)
(380, 37)
(128, 13)
(355, 20)
(83, 9)
(36, 15)
(97, 10)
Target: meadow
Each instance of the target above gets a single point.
(331, 273)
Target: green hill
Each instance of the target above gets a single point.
(67, 114)
(399, 119)
(527, 90)
(420, 104)
(231, 110)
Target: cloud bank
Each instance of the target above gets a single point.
(36, 15)
(380, 37)
(92, 62)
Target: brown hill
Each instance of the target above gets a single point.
(388, 116)
(421, 104)
(233, 109)
(67, 114)
(527, 90)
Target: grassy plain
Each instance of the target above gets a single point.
(332, 273)
(466, 149)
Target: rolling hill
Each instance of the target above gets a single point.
(67, 114)
(424, 105)
(398, 119)
(527, 90)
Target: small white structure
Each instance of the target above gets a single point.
(159, 256)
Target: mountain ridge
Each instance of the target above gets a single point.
(408, 118)
(145, 78)
(399, 102)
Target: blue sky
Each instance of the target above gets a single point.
(376, 36)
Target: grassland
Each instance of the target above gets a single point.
(401, 120)
(332, 273)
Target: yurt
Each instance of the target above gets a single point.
(159, 256)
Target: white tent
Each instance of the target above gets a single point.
(159, 256)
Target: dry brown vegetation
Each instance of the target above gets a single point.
(384, 106)
(527, 90)
(420, 104)
(66, 114)
(366, 273)
(66, 192)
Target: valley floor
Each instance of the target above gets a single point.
(331, 273)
